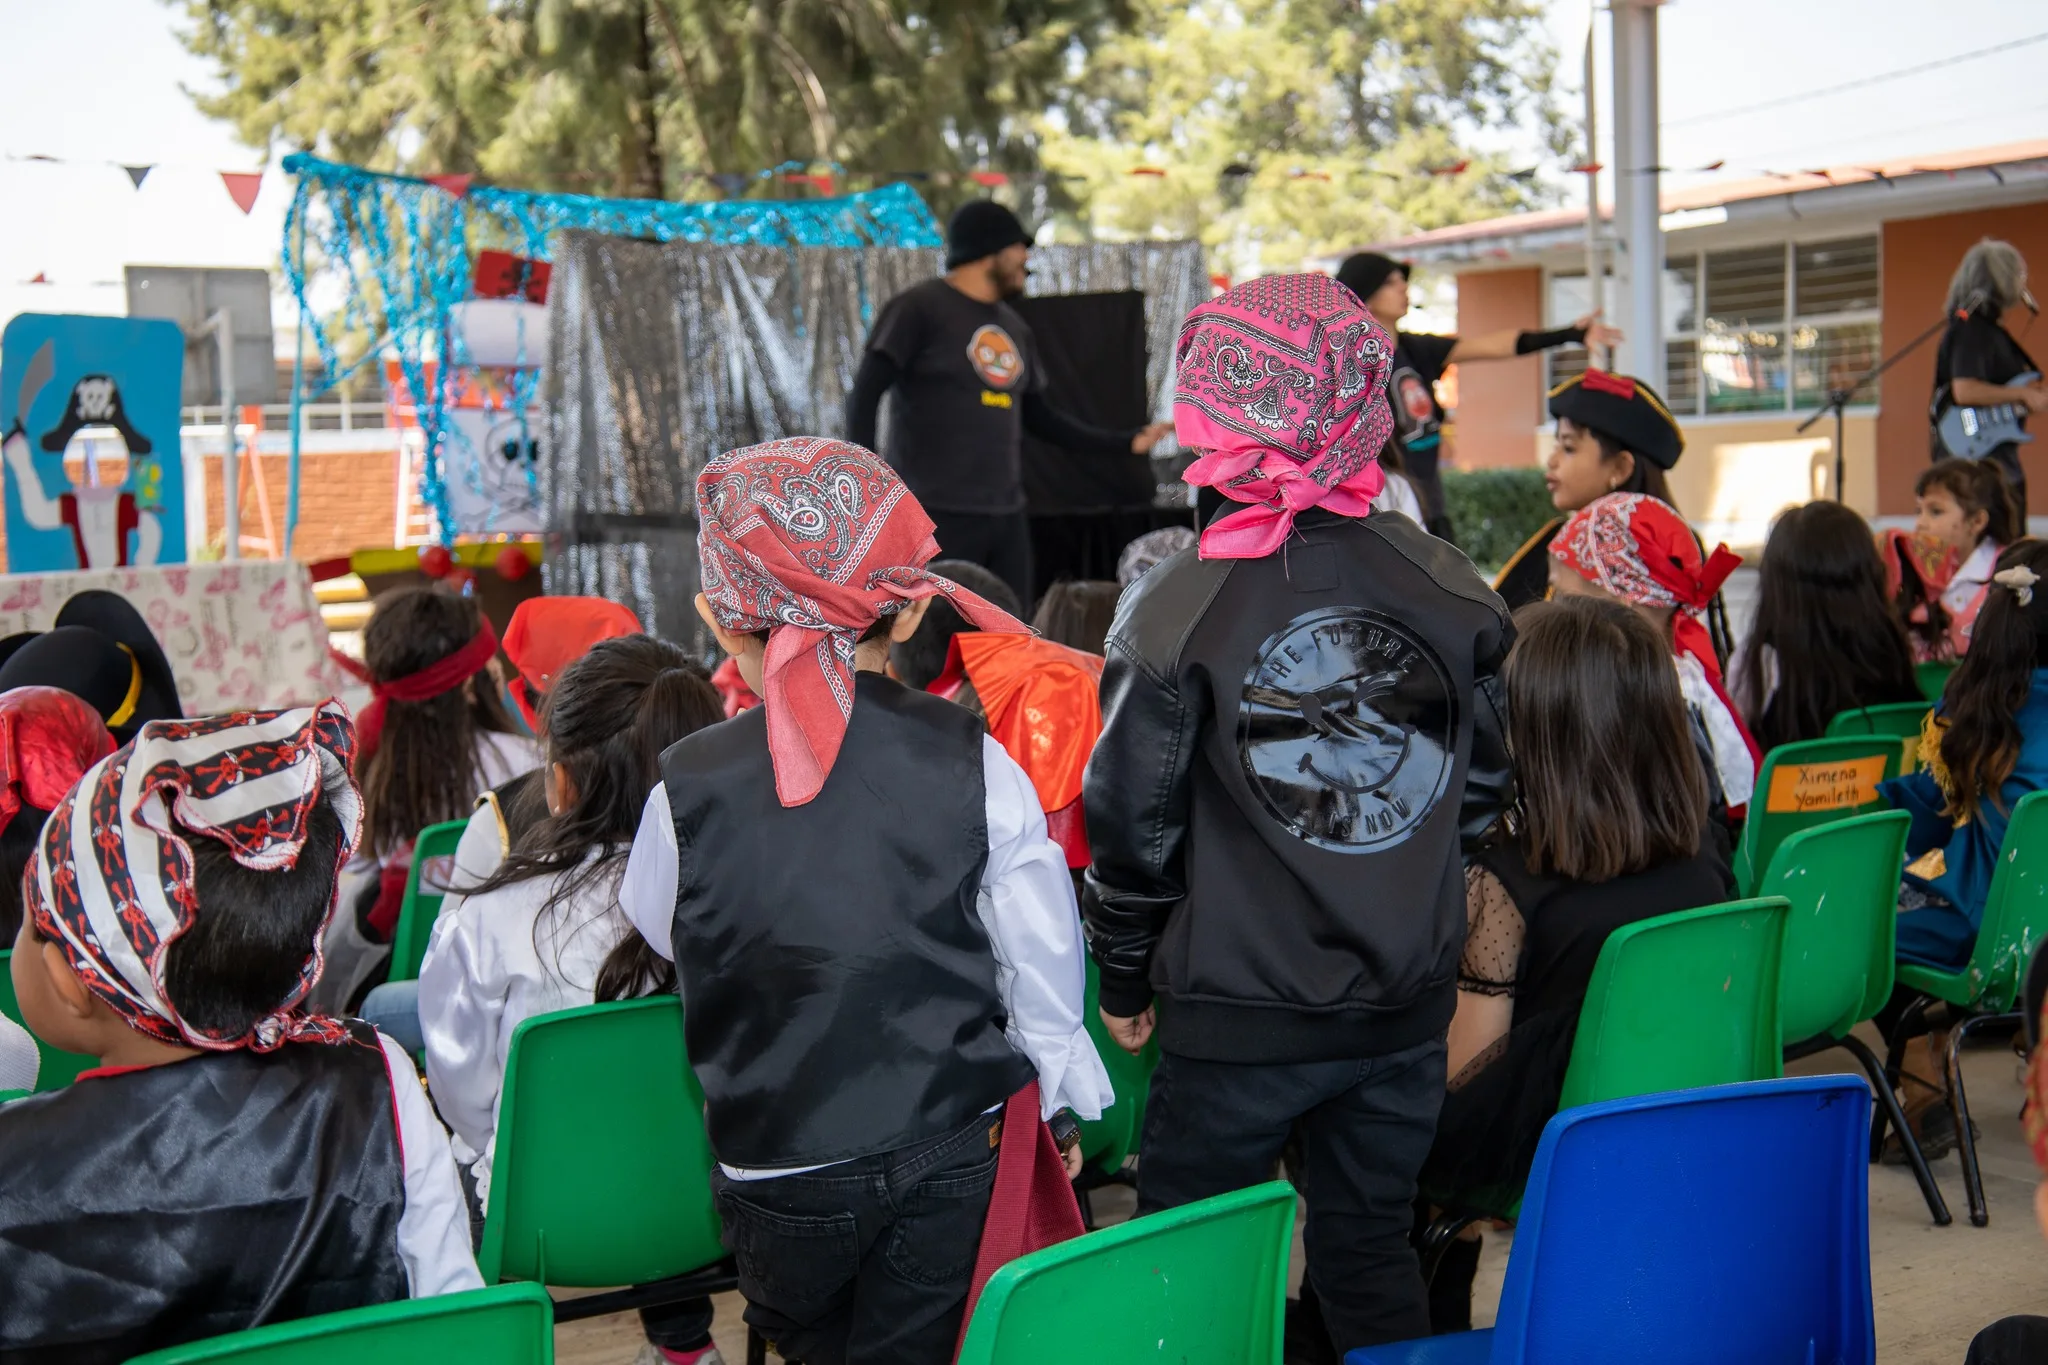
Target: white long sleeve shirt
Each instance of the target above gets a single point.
(494, 961)
(433, 1229)
(1026, 906)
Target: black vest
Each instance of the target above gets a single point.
(156, 1207)
(838, 989)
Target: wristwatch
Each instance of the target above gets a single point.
(1066, 1129)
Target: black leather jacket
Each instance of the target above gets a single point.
(1295, 752)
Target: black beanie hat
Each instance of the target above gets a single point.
(1364, 272)
(981, 228)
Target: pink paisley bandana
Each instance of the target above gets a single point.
(1641, 551)
(814, 541)
(1281, 388)
(112, 881)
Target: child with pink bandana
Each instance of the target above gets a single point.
(1300, 733)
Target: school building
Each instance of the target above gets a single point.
(1775, 290)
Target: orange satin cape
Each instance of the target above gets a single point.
(1041, 703)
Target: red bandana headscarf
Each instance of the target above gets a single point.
(547, 634)
(443, 675)
(1282, 390)
(111, 884)
(48, 738)
(814, 541)
(1638, 549)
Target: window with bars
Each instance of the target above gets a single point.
(1754, 329)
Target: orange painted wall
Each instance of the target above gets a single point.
(1919, 255)
(1498, 407)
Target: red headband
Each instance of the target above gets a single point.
(436, 678)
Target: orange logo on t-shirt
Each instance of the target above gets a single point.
(994, 356)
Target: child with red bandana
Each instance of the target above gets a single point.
(876, 942)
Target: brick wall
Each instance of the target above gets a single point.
(346, 501)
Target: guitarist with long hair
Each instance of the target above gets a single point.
(1980, 364)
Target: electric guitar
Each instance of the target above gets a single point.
(1973, 433)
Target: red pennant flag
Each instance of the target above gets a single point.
(457, 185)
(138, 174)
(1148, 170)
(825, 183)
(1220, 283)
(242, 187)
(1714, 165)
(1455, 168)
(1586, 168)
(991, 179)
(39, 278)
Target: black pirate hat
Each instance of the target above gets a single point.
(101, 650)
(1624, 410)
(95, 402)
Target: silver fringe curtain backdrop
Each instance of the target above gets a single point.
(665, 355)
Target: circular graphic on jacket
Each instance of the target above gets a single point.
(994, 356)
(1346, 729)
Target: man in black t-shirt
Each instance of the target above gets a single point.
(968, 384)
(1978, 359)
(1420, 359)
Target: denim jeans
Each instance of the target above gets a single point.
(394, 1009)
(1365, 1126)
(868, 1260)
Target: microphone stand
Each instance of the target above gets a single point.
(1838, 399)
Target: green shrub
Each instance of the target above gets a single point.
(1493, 511)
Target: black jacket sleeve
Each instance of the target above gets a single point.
(1068, 432)
(1490, 772)
(1138, 780)
(876, 376)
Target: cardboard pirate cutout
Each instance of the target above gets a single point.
(115, 381)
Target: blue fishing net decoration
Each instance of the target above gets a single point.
(398, 251)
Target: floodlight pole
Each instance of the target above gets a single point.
(1637, 179)
(221, 328)
(1596, 268)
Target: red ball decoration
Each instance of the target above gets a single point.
(436, 561)
(462, 579)
(513, 564)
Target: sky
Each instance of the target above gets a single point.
(101, 83)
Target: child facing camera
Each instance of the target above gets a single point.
(234, 1160)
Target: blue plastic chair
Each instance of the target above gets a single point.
(1697, 1227)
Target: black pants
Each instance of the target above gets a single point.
(1000, 542)
(2021, 1340)
(1365, 1126)
(868, 1260)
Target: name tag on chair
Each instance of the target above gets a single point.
(1798, 788)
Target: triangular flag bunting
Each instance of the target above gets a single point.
(242, 187)
(138, 174)
(457, 185)
(38, 278)
(988, 179)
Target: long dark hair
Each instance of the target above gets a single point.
(607, 719)
(1822, 616)
(1608, 780)
(1980, 737)
(424, 770)
(1077, 613)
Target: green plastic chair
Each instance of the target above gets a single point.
(508, 1324)
(1682, 1000)
(422, 904)
(57, 1068)
(1903, 720)
(1203, 1284)
(1676, 1001)
(1810, 783)
(1986, 990)
(602, 1174)
(1842, 881)
(1933, 679)
(1108, 1142)
(6, 1096)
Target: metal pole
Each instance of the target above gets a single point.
(1596, 267)
(1635, 140)
(231, 456)
(291, 497)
